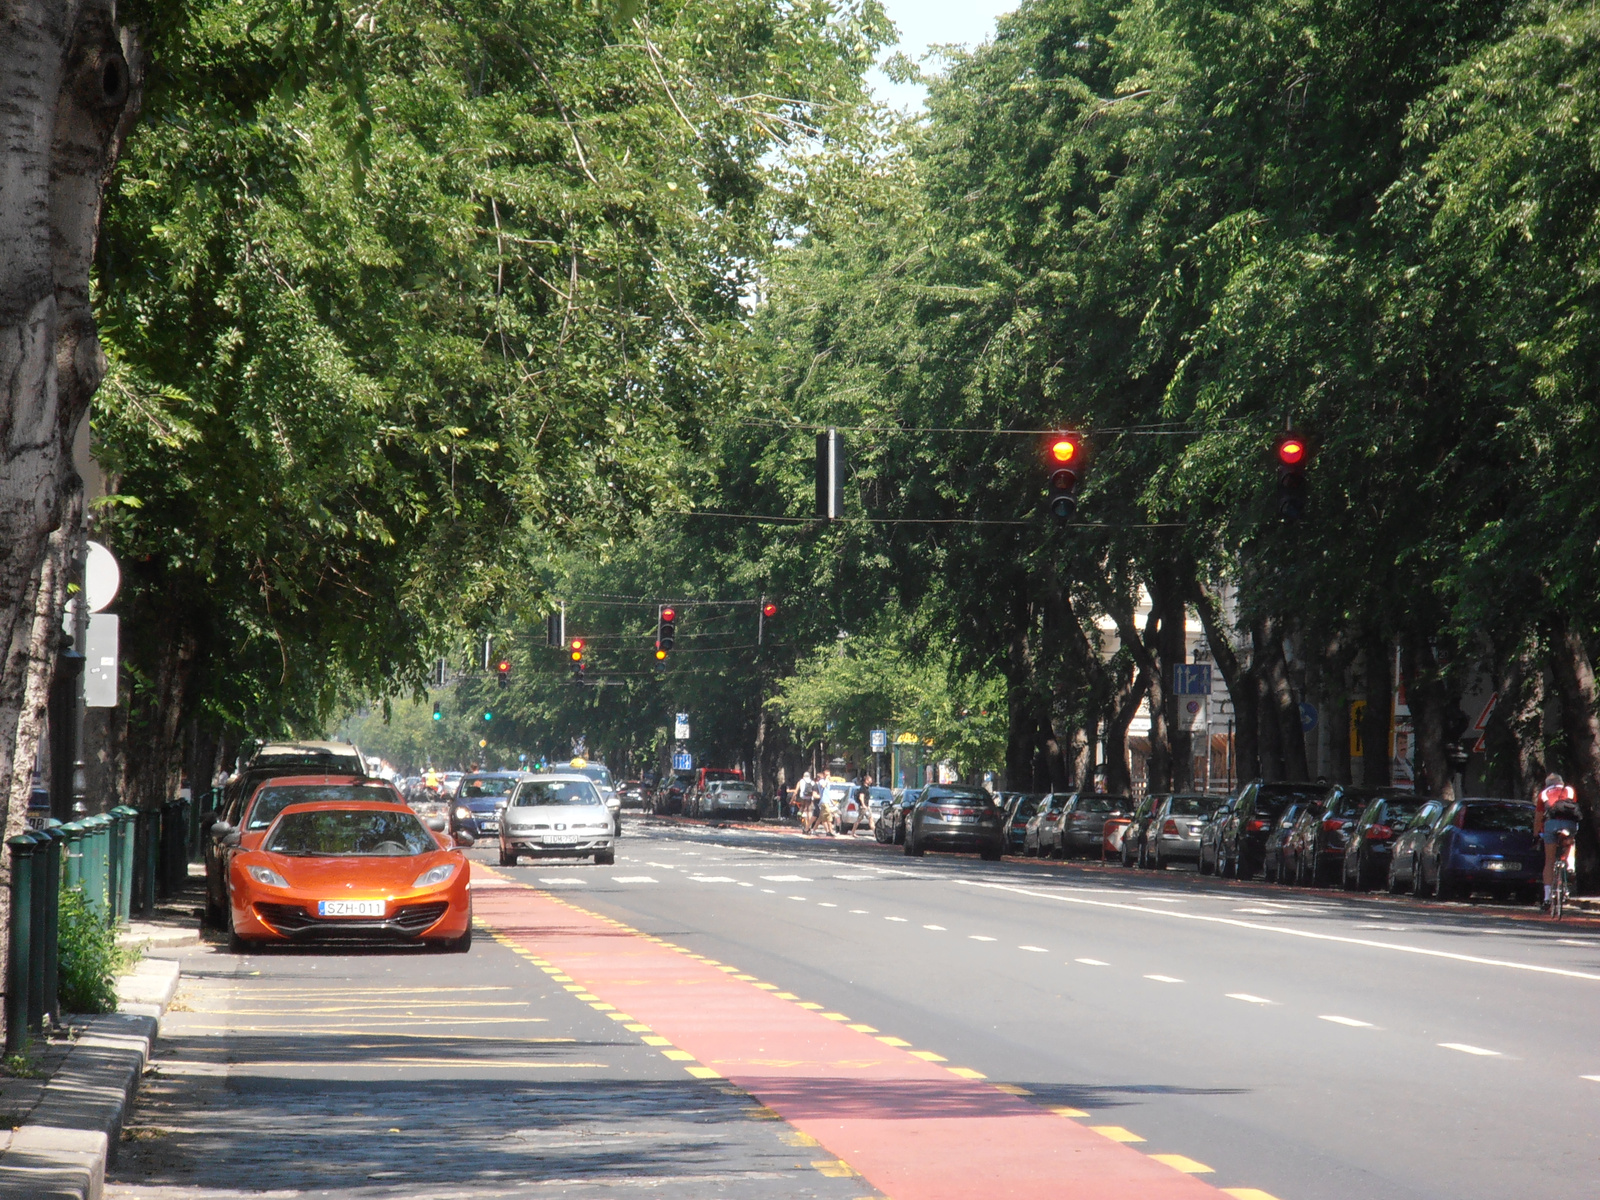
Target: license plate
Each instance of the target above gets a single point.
(1502, 866)
(350, 908)
(489, 826)
(560, 839)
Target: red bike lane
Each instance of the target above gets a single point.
(911, 1127)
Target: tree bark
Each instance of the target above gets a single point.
(1425, 693)
(1375, 721)
(1240, 680)
(1285, 705)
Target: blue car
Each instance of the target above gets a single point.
(479, 799)
(1482, 845)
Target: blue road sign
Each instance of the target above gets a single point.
(1191, 679)
(683, 761)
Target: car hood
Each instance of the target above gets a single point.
(483, 803)
(383, 874)
(565, 813)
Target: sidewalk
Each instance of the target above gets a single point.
(62, 1125)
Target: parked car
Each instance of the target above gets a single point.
(726, 798)
(893, 819)
(949, 816)
(1242, 842)
(478, 802)
(1175, 826)
(557, 816)
(1134, 850)
(1082, 827)
(1044, 826)
(1275, 856)
(1209, 854)
(1022, 808)
(1482, 844)
(632, 793)
(1366, 862)
(1321, 834)
(359, 867)
(1404, 872)
(878, 799)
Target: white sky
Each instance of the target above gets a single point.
(934, 22)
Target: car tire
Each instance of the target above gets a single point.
(458, 945)
(1160, 863)
(605, 858)
(1222, 864)
(1242, 868)
(1417, 888)
(1141, 857)
(990, 853)
(507, 859)
(1123, 855)
(1203, 867)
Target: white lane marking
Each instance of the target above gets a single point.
(632, 879)
(769, 891)
(1590, 1078)
(935, 928)
(894, 918)
(855, 876)
(1091, 962)
(1350, 1021)
(1166, 899)
(978, 937)
(1260, 912)
(1310, 935)
(1034, 949)
(797, 897)
(711, 878)
(1163, 978)
(742, 883)
(1466, 1049)
(860, 912)
(1577, 942)
(561, 879)
(787, 878)
(825, 904)
(663, 866)
(1248, 998)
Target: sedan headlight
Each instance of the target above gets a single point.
(267, 876)
(463, 814)
(438, 875)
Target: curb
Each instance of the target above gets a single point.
(62, 1151)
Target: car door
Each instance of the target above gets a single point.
(1211, 835)
(1228, 840)
(1403, 864)
(1435, 845)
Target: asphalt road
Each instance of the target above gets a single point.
(1270, 1043)
(1312, 1046)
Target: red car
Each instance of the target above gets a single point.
(350, 868)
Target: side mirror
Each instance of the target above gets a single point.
(464, 839)
(499, 804)
(436, 823)
(613, 804)
(220, 830)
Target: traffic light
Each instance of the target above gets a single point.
(503, 670)
(488, 714)
(438, 712)
(1292, 453)
(555, 627)
(666, 629)
(830, 475)
(1066, 458)
(578, 645)
(769, 610)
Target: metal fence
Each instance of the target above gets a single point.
(123, 862)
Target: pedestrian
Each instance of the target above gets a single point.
(805, 794)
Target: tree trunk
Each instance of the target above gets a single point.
(1285, 705)
(1426, 694)
(1240, 680)
(1519, 717)
(1375, 721)
(1125, 700)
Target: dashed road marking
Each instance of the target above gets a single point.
(966, 1072)
(978, 937)
(1350, 1021)
(1116, 1133)
(825, 904)
(1034, 949)
(1248, 998)
(632, 879)
(902, 919)
(1466, 1049)
(928, 1056)
(1163, 978)
(1091, 962)
(1179, 1162)
(787, 878)
(935, 928)
(860, 912)
(1248, 1194)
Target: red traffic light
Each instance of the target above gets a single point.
(769, 609)
(503, 665)
(1291, 450)
(1066, 448)
(668, 613)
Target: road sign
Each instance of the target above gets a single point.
(101, 577)
(100, 665)
(680, 729)
(1308, 716)
(1191, 679)
(1358, 713)
(682, 760)
(1482, 723)
(880, 740)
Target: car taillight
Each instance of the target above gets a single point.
(1171, 826)
(1379, 833)
(1334, 824)
(1255, 826)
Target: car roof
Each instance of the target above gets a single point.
(363, 805)
(337, 777)
(337, 749)
(495, 775)
(558, 777)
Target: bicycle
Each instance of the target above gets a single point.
(1558, 889)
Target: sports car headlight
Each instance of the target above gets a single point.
(463, 814)
(438, 875)
(267, 876)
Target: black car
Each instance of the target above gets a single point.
(949, 816)
(479, 799)
(1315, 852)
(1242, 844)
(1275, 858)
(1023, 806)
(1405, 873)
(1366, 862)
(893, 817)
(1211, 835)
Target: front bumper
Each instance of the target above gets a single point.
(434, 916)
(535, 843)
(960, 837)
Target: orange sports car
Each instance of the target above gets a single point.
(350, 869)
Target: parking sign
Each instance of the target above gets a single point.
(880, 740)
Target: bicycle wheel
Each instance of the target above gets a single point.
(1558, 894)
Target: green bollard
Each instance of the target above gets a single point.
(146, 861)
(72, 855)
(122, 839)
(20, 969)
(50, 942)
(96, 860)
(37, 923)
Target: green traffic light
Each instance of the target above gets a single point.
(488, 716)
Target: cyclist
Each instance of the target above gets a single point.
(1555, 817)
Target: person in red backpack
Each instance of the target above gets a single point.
(1555, 820)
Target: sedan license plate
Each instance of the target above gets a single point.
(560, 839)
(350, 908)
(489, 826)
(1502, 865)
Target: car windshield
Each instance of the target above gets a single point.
(350, 833)
(737, 787)
(881, 795)
(596, 772)
(1398, 812)
(1101, 804)
(961, 796)
(270, 801)
(1193, 806)
(478, 789)
(1028, 806)
(555, 791)
(1498, 818)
